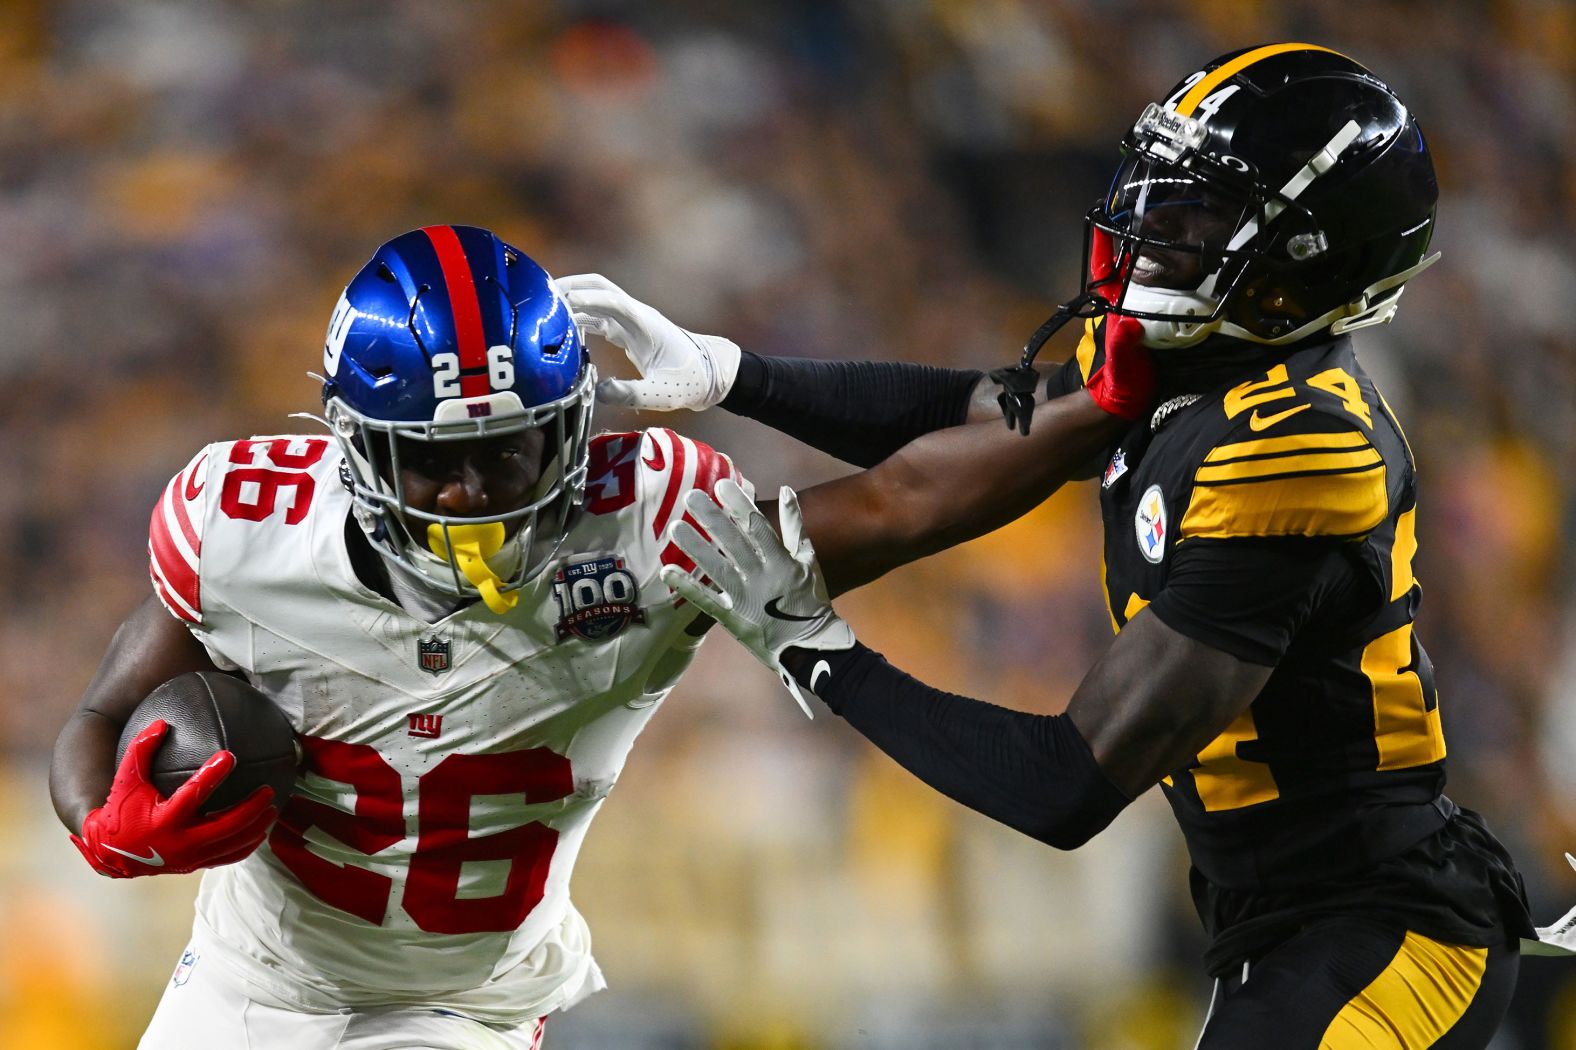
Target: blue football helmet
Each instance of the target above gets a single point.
(450, 334)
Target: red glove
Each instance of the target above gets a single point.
(1124, 383)
(137, 831)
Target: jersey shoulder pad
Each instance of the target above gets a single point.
(231, 494)
(678, 465)
(175, 538)
(655, 467)
(1302, 470)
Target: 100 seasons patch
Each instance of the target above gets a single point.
(597, 598)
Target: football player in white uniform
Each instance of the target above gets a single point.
(454, 596)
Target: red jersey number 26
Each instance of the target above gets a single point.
(443, 840)
(260, 472)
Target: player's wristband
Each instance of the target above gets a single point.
(1034, 773)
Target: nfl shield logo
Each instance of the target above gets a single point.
(183, 969)
(433, 653)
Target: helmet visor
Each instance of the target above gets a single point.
(1172, 228)
(373, 462)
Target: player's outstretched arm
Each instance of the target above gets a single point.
(952, 485)
(859, 411)
(948, 487)
(1151, 703)
(1154, 700)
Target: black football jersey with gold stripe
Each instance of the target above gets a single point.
(1340, 760)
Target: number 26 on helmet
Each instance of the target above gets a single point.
(450, 334)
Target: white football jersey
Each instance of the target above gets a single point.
(451, 769)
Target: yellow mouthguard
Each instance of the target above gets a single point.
(473, 545)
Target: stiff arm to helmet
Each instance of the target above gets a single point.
(678, 368)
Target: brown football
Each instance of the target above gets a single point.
(209, 711)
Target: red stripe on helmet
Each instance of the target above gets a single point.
(464, 304)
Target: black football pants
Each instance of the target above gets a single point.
(1357, 984)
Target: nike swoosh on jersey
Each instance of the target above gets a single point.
(821, 668)
(656, 461)
(152, 860)
(777, 614)
(1258, 422)
(193, 491)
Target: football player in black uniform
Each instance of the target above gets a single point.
(1260, 527)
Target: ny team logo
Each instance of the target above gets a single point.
(597, 598)
(433, 655)
(1150, 524)
(423, 725)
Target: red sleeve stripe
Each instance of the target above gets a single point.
(677, 467)
(172, 601)
(177, 575)
(177, 568)
(711, 467)
(174, 604)
(177, 500)
(183, 539)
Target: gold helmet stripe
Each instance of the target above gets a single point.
(1198, 92)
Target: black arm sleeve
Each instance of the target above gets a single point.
(859, 411)
(1034, 773)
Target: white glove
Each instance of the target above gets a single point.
(678, 369)
(769, 592)
(1558, 939)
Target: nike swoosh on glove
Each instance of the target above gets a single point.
(137, 831)
(678, 369)
(766, 592)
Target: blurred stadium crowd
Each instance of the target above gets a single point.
(185, 185)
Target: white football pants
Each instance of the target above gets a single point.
(201, 1010)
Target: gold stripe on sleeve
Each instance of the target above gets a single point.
(1347, 504)
(1276, 446)
(1307, 463)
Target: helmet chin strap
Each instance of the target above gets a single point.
(1170, 334)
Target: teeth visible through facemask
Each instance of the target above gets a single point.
(473, 545)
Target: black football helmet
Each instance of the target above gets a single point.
(1278, 192)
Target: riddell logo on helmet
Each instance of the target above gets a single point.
(479, 410)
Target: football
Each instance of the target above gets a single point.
(208, 711)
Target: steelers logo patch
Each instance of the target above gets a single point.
(1150, 525)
